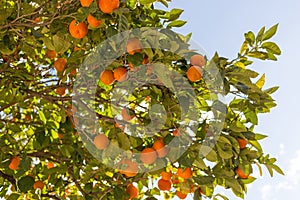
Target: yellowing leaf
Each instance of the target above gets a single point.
(260, 83)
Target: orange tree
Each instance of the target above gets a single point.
(50, 149)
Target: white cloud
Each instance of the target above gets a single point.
(282, 149)
(291, 181)
(266, 191)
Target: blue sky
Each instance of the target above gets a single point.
(219, 26)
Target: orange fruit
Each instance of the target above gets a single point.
(145, 61)
(107, 77)
(14, 163)
(50, 165)
(160, 148)
(60, 91)
(78, 30)
(38, 185)
(108, 6)
(76, 49)
(133, 46)
(60, 64)
(197, 60)
(86, 3)
(242, 143)
(93, 22)
(73, 72)
(164, 184)
(185, 174)
(51, 54)
(131, 168)
(37, 19)
(148, 156)
(27, 117)
(181, 195)
(240, 173)
(126, 115)
(132, 191)
(194, 73)
(120, 74)
(101, 141)
(166, 175)
(176, 132)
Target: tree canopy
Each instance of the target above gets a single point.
(103, 100)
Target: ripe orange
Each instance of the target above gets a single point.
(27, 117)
(78, 30)
(60, 91)
(164, 184)
(37, 19)
(242, 143)
(176, 132)
(86, 3)
(194, 73)
(60, 64)
(126, 115)
(160, 148)
(120, 74)
(197, 60)
(133, 46)
(185, 174)
(108, 6)
(14, 163)
(51, 54)
(93, 22)
(101, 141)
(38, 184)
(50, 165)
(130, 169)
(107, 77)
(132, 191)
(145, 61)
(148, 156)
(73, 72)
(181, 195)
(240, 173)
(166, 175)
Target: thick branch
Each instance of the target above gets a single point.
(8, 177)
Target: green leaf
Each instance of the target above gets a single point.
(260, 34)
(277, 169)
(260, 136)
(271, 90)
(60, 45)
(13, 196)
(200, 163)
(250, 37)
(244, 48)
(119, 193)
(224, 154)
(123, 141)
(25, 183)
(42, 117)
(176, 23)
(270, 33)
(145, 2)
(212, 156)
(271, 47)
(261, 81)
(270, 169)
(175, 14)
(258, 55)
(249, 180)
(256, 145)
(204, 180)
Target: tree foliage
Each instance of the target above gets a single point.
(39, 136)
